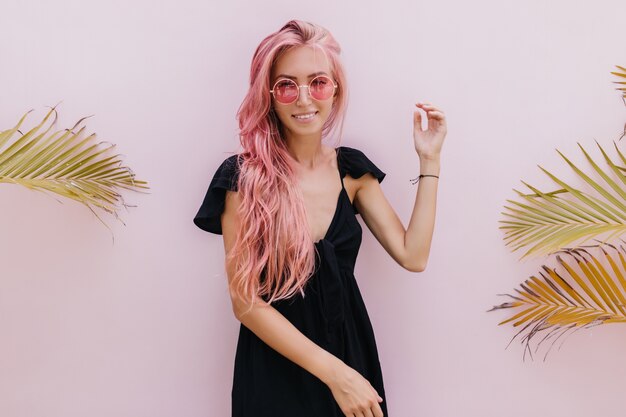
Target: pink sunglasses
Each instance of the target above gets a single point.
(287, 91)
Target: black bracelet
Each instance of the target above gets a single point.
(417, 179)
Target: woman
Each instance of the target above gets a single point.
(286, 207)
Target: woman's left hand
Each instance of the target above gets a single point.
(428, 142)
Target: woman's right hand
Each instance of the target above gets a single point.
(354, 394)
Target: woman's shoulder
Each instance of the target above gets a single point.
(354, 162)
(227, 173)
(225, 179)
(231, 162)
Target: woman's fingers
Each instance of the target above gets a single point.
(377, 411)
(378, 397)
(436, 114)
(417, 120)
(432, 112)
(427, 107)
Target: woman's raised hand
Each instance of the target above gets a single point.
(354, 394)
(428, 142)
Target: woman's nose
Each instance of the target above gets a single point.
(303, 96)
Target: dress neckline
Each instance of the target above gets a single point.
(337, 205)
(335, 215)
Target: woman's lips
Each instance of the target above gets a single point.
(307, 119)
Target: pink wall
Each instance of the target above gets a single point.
(144, 327)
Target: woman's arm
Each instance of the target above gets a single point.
(419, 233)
(265, 321)
(409, 247)
(350, 389)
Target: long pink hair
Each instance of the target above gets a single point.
(274, 253)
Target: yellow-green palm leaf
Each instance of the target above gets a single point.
(64, 163)
(622, 77)
(589, 291)
(621, 74)
(545, 222)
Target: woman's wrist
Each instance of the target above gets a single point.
(430, 166)
(432, 157)
(330, 368)
(322, 364)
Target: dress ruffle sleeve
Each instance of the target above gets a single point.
(208, 217)
(356, 164)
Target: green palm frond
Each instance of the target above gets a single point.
(65, 164)
(584, 294)
(547, 222)
(621, 74)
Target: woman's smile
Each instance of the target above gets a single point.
(305, 117)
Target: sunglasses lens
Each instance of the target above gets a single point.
(322, 88)
(286, 91)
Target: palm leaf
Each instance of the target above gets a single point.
(65, 164)
(584, 294)
(621, 74)
(545, 222)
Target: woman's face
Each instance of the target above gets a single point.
(302, 64)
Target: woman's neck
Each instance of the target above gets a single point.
(306, 151)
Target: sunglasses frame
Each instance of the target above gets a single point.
(335, 85)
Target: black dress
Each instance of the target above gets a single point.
(332, 314)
